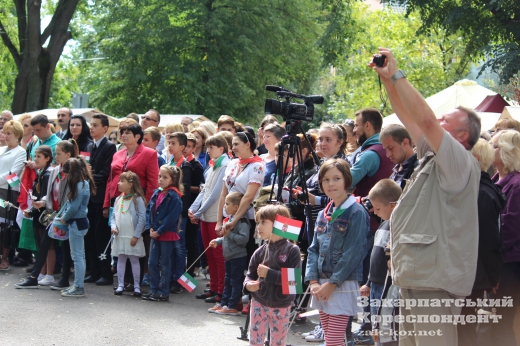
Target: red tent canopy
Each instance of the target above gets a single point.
(492, 104)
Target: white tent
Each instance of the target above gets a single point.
(464, 93)
(176, 118)
(511, 112)
(488, 120)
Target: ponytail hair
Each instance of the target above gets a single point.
(175, 174)
(77, 171)
(69, 146)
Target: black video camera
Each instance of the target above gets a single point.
(289, 110)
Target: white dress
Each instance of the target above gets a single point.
(121, 244)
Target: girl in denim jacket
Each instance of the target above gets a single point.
(163, 220)
(81, 186)
(335, 258)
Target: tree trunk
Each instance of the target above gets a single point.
(38, 63)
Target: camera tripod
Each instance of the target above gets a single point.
(293, 143)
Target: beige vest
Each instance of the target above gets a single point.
(434, 233)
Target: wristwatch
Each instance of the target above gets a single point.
(399, 74)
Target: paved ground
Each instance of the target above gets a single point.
(42, 317)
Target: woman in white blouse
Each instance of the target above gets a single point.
(245, 175)
(12, 158)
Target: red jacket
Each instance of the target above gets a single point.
(141, 164)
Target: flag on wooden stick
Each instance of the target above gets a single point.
(188, 282)
(292, 281)
(287, 228)
(13, 180)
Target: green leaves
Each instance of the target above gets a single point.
(201, 57)
(432, 62)
(490, 29)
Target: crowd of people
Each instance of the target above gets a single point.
(424, 213)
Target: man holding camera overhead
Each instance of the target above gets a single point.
(434, 227)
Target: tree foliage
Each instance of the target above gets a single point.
(35, 52)
(199, 56)
(490, 28)
(432, 62)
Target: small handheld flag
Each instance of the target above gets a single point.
(292, 281)
(287, 228)
(3, 203)
(86, 155)
(188, 282)
(13, 180)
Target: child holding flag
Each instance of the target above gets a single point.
(163, 219)
(42, 161)
(234, 244)
(335, 258)
(270, 306)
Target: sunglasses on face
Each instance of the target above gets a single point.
(149, 119)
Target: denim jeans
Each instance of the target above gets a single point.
(160, 265)
(233, 281)
(77, 252)
(376, 292)
(179, 254)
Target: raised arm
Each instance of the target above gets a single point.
(409, 104)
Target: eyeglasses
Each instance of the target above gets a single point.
(149, 119)
(4, 119)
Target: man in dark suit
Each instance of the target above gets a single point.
(98, 235)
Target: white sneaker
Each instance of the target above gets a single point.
(46, 281)
(40, 277)
(318, 336)
(312, 332)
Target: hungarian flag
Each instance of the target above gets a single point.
(86, 155)
(188, 282)
(13, 180)
(292, 281)
(287, 228)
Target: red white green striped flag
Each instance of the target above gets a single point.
(292, 281)
(188, 282)
(86, 155)
(287, 228)
(13, 180)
